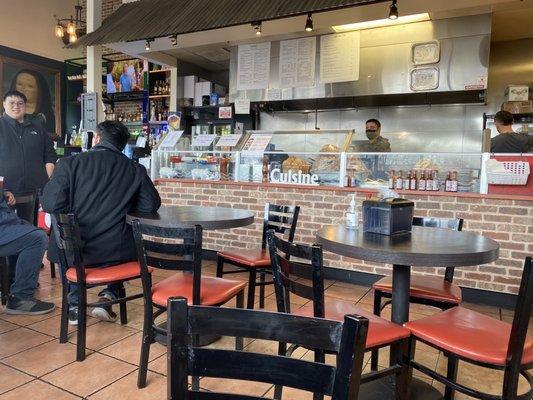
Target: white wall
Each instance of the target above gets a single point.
(28, 25)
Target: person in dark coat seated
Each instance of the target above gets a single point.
(28, 242)
(101, 186)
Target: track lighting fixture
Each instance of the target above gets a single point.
(257, 28)
(147, 45)
(174, 40)
(309, 23)
(393, 12)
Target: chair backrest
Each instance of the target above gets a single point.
(522, 314)
(282, 219)
(455, 224)
(181, 252)
(286, 273)
(68, 239)
(341, 382)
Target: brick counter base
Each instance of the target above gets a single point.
(510, 222)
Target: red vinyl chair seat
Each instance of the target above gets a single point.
(43, 222)
(380, 331)
(469, 334)
(426, 287)
(213, 291)
(103, 275)
(250, 257)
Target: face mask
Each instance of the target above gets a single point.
(371, 134)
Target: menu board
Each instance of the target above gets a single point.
(242, 106)
(228, 140)
(339, 57)
(297, 62)
(171, 139)
(257, 143)
(253, 66)
(203, 140)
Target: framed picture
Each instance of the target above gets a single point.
(42, 87)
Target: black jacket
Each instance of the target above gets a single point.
(101, 186)
(25, 148)
(11, 226)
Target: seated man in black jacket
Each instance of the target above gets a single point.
(100, 187)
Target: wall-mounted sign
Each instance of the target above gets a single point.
(276, 176)
(224, 112)
(339, 57)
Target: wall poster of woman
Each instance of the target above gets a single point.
(41, 86)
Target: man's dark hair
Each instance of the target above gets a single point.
(15, 93)
(504, 118)
(375, 121)
(114, 133)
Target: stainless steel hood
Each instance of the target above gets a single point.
(386, 63)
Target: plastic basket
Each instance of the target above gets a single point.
(516, 174)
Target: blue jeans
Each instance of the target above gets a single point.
(30, 251)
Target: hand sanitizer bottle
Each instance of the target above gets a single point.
(351, 215)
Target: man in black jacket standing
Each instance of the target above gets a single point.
(27, 154)
(100, 187)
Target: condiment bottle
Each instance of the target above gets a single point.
(412, 181)
(407, 181)
(429, 180)
(447, 183)
(265, 169)
(224, 161)
(453, 182)
(422, 181)
(351, 215)
(399, 181)
(392, 176)
(436, 183)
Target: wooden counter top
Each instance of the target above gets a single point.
(345, 189)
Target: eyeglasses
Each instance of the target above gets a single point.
(16, 104)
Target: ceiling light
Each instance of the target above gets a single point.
(147, 45)
(72, 38)
(69, 30)
(257, 28)
(393, 12)
(407, 19)
(309, 23)
(174, 40)
(71, 27)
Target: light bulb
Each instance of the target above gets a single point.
(71, 27)
(147, 45)
(59, 32)
(257, 28)
(309, 23)
(73, 38)
(393, 12)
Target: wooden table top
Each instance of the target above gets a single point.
(422, 247)
(210, 218)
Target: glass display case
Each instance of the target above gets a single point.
(415, 170)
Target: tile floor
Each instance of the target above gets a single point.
(34, 365)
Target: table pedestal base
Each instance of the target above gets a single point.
(384, 389)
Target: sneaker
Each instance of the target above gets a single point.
(105, 313)
(73, 316)
(28, 307)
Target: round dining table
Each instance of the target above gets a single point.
(422, 247)
(210, 218)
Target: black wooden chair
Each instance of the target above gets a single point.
(466, 335)
(427, 290)
(305, 278)
(282, 219)
(183, 255)
(340, 382)
(73, 270)
(4, 280)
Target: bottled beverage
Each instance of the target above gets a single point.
(429, 180)
(399, 181)
(412, 181)
(392, 176)
(447, 183)
(436, 183)
(422, 181)
(351, 215)
(265, 169)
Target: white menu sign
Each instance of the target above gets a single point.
(297, 62)
(257, 143)
(171, 139)
(339, 57)
(253, 66)
(203, 140)
(228, 140)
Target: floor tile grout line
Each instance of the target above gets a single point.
(16, 387)
(22, 351)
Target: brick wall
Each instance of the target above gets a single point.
(510, 222)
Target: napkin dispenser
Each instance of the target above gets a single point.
(388, 216)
